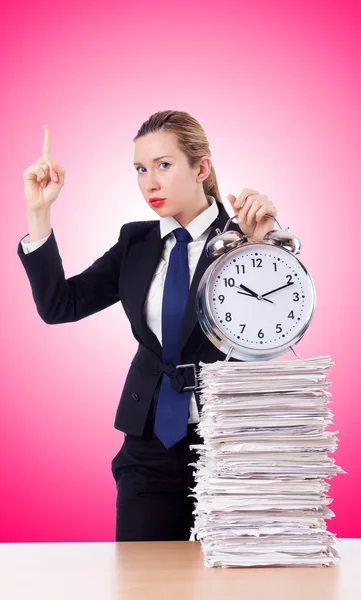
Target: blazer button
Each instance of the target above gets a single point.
(135, 397)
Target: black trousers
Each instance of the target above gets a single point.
(153, 484)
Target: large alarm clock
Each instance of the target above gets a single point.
(257, 299)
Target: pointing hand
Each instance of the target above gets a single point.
(43, 179)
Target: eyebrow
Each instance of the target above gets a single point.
(158, 158)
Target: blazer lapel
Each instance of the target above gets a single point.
(145, 259)
(190, 315)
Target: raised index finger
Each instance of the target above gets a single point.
(46, 143)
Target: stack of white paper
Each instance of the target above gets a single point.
(261, 497)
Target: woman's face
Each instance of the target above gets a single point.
(163, 172)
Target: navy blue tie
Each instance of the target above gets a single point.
(171, 419)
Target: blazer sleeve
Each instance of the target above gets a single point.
(61, 300)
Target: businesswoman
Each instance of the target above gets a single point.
(154, 270)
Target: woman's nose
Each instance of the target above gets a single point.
(152, 184)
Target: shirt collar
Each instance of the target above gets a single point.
(196, 227)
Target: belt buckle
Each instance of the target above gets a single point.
(190, 387)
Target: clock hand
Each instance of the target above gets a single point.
(279, 288)
(251, 293)
(244, 293)
(247, 290)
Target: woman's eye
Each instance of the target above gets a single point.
(162, 163)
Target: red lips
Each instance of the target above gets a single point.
(156, 201)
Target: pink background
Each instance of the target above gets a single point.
(276, 87)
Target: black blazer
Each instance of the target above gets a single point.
(123, 274)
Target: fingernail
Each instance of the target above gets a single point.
(55, 179)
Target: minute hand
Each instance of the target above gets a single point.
(279, 288)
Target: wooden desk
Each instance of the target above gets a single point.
(164, 570)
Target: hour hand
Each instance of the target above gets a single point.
(252, 293)
(248, 290)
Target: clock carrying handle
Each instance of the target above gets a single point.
(235, 216)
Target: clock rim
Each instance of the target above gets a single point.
(216, 336)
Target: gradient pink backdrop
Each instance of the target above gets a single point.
(276, 87)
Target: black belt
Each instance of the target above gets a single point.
(183, 377)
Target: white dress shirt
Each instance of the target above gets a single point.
(199, 229)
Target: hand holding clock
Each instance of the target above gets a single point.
(250, 208)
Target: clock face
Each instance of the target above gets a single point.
(260, 297)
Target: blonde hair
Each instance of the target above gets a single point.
(191, 138)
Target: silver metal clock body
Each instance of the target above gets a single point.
(263, 324)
